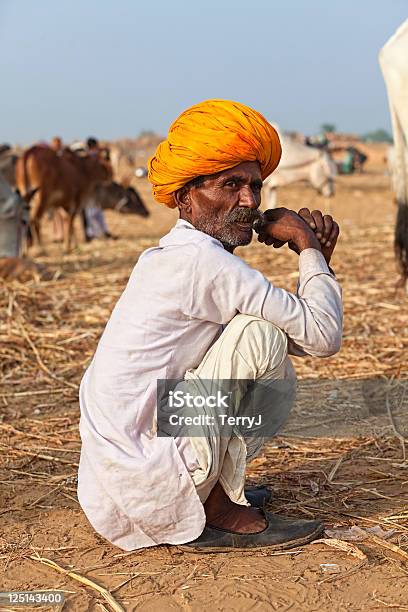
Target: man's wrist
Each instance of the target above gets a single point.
(307, 240)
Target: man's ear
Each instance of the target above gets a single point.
(182, 199)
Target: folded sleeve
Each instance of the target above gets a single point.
(224, 285)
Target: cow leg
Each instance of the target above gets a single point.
(35, 226)
(70, 232)
(64, 218)
(28, 241)
(38, 208)
(58, 222)
(74, 234)
(71, 235)
(36, 234)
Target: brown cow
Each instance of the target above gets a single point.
(64, 179)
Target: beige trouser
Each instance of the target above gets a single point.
(250, 350)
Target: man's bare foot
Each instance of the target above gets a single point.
(221, 512)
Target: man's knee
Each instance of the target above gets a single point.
(260, 343)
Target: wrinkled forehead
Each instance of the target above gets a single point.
(247, 170)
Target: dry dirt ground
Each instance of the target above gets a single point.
(341, 456)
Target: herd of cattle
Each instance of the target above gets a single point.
(63, 182)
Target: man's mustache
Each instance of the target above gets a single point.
(244, 215)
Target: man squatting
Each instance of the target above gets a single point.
(194, 310)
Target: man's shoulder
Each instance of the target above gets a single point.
(184, 238)
(216, 262)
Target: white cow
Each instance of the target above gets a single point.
(14, 213)
(390, 161)
(8, 160)
(300, 163)
(393, 59)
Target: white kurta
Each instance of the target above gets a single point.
(134, 487)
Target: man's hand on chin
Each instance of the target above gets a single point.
(300, 230)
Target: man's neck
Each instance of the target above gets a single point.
(227, 247)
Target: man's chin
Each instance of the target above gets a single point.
(231, 235)
(238, 239)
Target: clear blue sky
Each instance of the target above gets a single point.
(115, 67)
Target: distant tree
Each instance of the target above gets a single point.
(379, 135)
(328, 127)
(146, 133)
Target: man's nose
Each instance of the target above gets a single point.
(247, 197)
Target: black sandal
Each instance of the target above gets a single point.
(281, 533)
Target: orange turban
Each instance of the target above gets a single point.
(208, 138)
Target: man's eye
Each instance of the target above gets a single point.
(231, 183)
